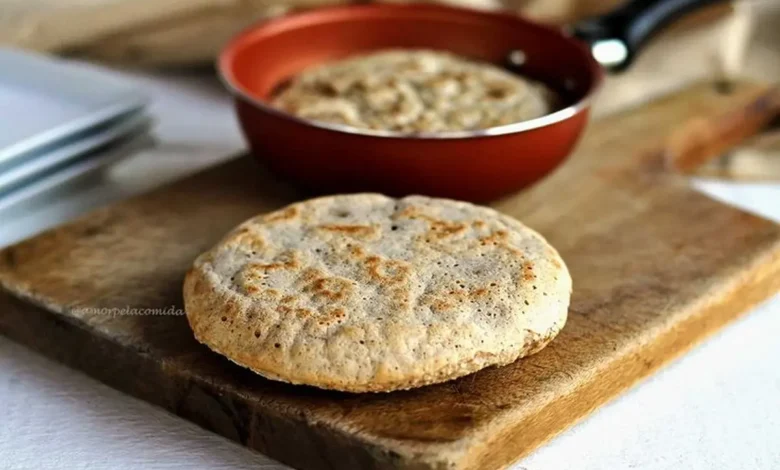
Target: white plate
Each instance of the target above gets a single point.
(44, 100)
(14, 200)
(38, 165)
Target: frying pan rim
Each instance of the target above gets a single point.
(227, 77)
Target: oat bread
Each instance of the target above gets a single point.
(413, 91)
(367, 293)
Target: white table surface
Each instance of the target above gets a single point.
(717, 408)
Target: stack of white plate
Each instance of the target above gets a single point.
(59, 121)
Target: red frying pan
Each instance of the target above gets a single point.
(470, 165)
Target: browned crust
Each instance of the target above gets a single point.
(200, 302)
(207, 300)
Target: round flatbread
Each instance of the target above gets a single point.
(365, 293)
(414, 91)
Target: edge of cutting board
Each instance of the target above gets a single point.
(466, 424)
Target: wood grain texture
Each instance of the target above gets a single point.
(656, 268)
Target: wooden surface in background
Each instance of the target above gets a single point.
(656, 268)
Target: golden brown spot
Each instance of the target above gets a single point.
(387, 271)
(478, 293)
(260, 291)
(442, 229)
(440, 305)
(244, 238)
(288, 299)
(448, 299)
(500, 238)
(326, 89)
(303, 313)
(409, 212)
(330, 288)
(333, 315)
(357, 251)
(495, 238)
(499, 90)
(272, 293)
(298, 312)
(357, 231)
(282, 215)
(528, 271)
(289, 261)
(399, 297)
(479, 224)
(337, 313)
(231, 307)
(439, 228)
(310, 274)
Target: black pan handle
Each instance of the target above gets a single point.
(616, 38)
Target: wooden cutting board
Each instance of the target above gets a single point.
(656, 266)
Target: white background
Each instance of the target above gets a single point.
(717, 408)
